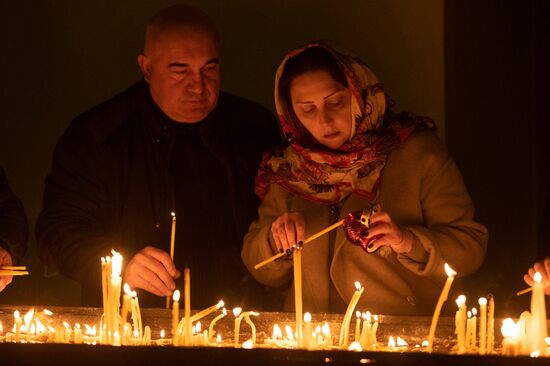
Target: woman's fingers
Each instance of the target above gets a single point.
(287, 230)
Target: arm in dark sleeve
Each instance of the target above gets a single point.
(14, 229)
(71, 231)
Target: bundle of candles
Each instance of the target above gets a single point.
(13, 271)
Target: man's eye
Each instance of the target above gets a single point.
(210, 68)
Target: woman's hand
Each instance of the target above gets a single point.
(386, 232)
(543, 267)
(288, 230)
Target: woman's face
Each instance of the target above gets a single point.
(323, 106)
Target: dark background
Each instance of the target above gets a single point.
(479, 68)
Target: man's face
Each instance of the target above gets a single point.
(183, 71)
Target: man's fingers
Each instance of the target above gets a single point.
(159, 270)
(162, 257)
(149, 281)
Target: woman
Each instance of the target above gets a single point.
(348, 152)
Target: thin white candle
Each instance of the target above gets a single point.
(344, 330)
(482, 325)
(538, 313)
(442, 298)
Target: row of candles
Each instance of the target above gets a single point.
(527, 336)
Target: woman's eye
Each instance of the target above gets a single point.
(336, 103)
(308, 111)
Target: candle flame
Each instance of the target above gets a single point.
(224, 311)
(288, 331)
(66, 325)
(547, 339)
(355, 346)
(198, 327)
(221, 304)
(510, 329)
(425, 343)
(317, 329)
(1, 328)
(307, 317)
(401, 342)
(537, 277)
(40, 328)
(535, 354)
(474, 312)
(375, 318)
(136, 333)
(391, 342)
(116, 269)
(358, 285)
(482, 301)
(173, 214)
(219, 339)
(237, 311)
(176, 296)
(248, 344)
(77, 326)
(127, 289)
(47, 312)
(32, 329)
(51, 329)
(27, 318)
(16, 314)
(162, 333)
(277, 333)
(450, 272)
(325, 329)
(460, 300)
(358, 314)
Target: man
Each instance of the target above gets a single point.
(170, 143)
(14, 230)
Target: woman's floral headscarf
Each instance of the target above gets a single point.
(319, 174)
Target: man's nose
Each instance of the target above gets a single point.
(196, 83)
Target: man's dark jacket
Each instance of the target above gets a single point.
(110, 185)
(14, 229)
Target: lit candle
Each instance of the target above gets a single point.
(136, 313)
(374, 329)
(238, 318)
(327, 334)
(308, 342)
(251, 324)
(201, 314)
(211, 331)
(146, 336)
(344, 330)
(365, 332)
(482, 325)
(187, 288)
(538, 313)
(175, 311)
(125, 302)
(510, 346)
(473, 338)
(468, 339)
(460, 323)
(524, 328)
(18, 322)
(491, 325)
(297, 261)
(442, 298)
(77, 334)
(357, 325)
(172, 247)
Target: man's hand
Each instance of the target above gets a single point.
(5, 260)
(543, 267)
(152, 269)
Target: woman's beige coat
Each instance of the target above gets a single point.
(423, 191)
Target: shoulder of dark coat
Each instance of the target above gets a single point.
(102, 120)
(245, 111)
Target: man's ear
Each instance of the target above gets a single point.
(145, 66)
